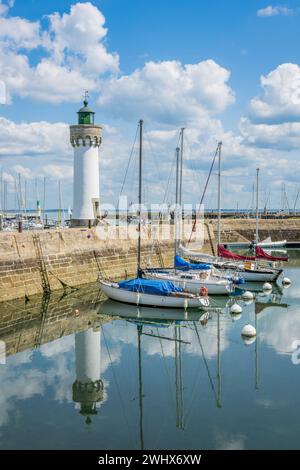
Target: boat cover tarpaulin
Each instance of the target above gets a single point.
(260, 253)
(149, 286)
(223, 253)
(180, 263)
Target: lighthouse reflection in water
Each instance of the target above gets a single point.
(88, 387)
(95, 374)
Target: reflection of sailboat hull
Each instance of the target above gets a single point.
(112, 308)
(253, 286)
(177, 300)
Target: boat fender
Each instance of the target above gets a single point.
(203, 292)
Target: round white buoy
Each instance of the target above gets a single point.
(249, 331)
(267, 286)
(247, 295)
(236, 316)
(286, 281)
(236, 309)
(248, 302)
(247, 341)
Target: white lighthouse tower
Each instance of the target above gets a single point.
(88, 387)
(86, 138)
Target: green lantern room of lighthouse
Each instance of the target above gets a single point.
(85, 114)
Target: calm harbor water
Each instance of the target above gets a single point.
(160, 381)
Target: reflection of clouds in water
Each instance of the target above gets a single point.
(271, 404)
(16, 386)
(58, 346)
(19, 383)
(127, 333)
(226, 441)
(293, 291)
(24, 357)
(280, 328)
(60, 377)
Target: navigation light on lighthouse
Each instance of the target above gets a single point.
(86, 138)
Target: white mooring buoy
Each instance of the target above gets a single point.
(286, 281)
(236, 309)
(247, 295)
(249, 331)
(236, 316)
(247, 341)
(267, 286)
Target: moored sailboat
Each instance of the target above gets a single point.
(150, 292)
(247, 268)
(193, 278)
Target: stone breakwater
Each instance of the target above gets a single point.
(243, 230)
(46, 261)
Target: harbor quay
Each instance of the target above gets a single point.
(34, 262)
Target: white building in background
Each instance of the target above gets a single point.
(86, 138)
(88, 387)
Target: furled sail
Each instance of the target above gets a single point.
(223, 253)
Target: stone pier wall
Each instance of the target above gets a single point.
(73, 257)
(243, 230)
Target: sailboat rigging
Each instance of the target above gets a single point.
(147, 291)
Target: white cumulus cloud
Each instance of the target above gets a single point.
(169, 92)
(34, 138)
(284, 136)
(280, 98)
(73, 52)
(274, 11)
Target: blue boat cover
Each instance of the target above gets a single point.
(149, 286)
(180, 263)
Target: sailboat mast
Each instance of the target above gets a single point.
(176, 213)
(44, 201)
(257, 192)
(181, 167)
(59, 205)
(219, 192)
(140, 196)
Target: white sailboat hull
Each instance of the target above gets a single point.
(220, 287)
(114, 292)
(256, 276)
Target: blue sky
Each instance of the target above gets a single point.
(236, 42)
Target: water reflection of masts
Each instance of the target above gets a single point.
(219, 396)
(218, 393)
(179, 389)
(256, 353)
(140, 332)
(178, 375)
